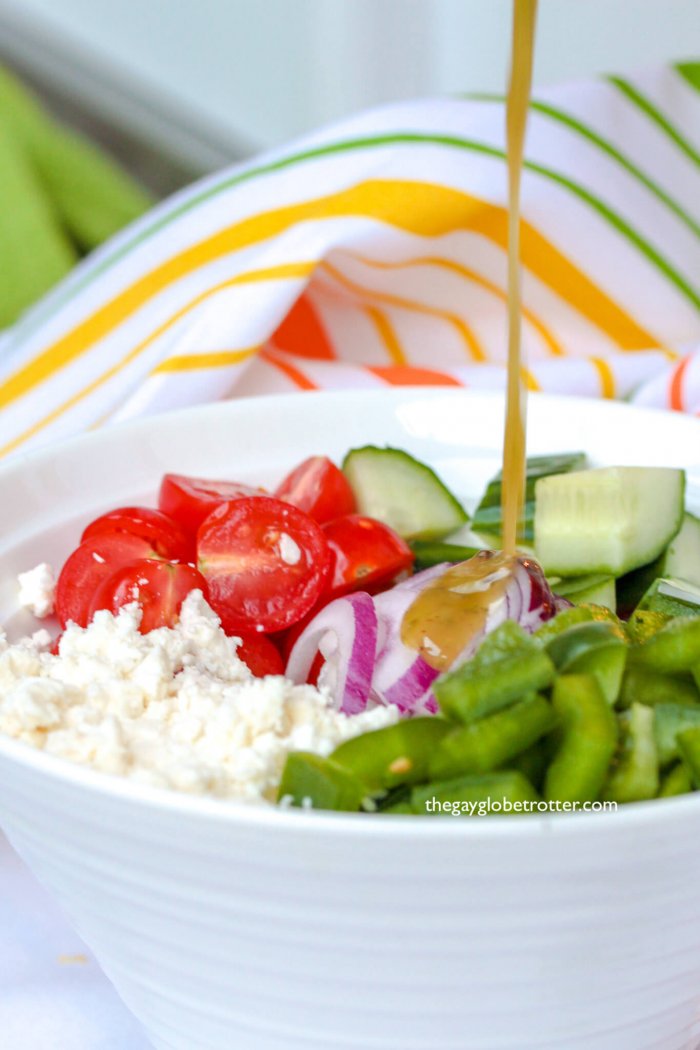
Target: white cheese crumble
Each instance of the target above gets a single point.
(173, 708)
(37, 589)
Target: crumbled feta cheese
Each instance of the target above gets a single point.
(175, 708)
(37, 588)
(290, 551)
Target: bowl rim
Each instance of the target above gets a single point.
(232, 812)
(268, 402)
(236, 811)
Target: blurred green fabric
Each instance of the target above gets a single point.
(60, 196)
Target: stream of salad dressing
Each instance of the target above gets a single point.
(454, 609)
(519, 88)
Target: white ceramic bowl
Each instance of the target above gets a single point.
(228, 927)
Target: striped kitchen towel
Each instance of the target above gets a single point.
(374, 252)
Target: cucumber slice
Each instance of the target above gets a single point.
(587, 590)
(466, 536)
(393, 486)
(435, 552)
(671, 597)
(665, 600)
(682, 556)
(487, 516)
(680, 560)
(610, 520)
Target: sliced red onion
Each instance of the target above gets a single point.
(401, 675)
(345, 633)
(538, 602)
(527, 600)
(428, 707)
(360, 638)
(391, 605)
(409, 690)
(419, 581)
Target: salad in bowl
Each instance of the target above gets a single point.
(238, 805)
(353, 638)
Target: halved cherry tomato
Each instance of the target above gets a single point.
(318, 487)
(260, 654)
(367, 554)
(265, 562)
(190, 500)
(315, 669)
(160, 587)
(88, 566)
(167, 538)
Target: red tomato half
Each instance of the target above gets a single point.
(260, 654)
(88, 566)
(318, 487)
(265, 563)
(168, 539)
(368, 554)
(190, 500)
(158, 586)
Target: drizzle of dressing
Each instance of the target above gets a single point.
(519, 89)
(454, 609)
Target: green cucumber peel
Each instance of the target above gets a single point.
(608, 520)
(396, 488)
(488, 517)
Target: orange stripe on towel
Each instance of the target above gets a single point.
(298, 377)
(408, 375)
(675, 389)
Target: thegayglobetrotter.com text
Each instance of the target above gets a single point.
(486, 807)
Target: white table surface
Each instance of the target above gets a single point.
(52, 992)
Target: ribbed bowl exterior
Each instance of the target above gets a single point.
(225, 928)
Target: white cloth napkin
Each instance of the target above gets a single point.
(373, 253)
(53, 995)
